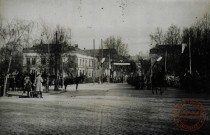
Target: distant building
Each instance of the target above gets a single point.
(38, 59)
(170, 57)
(105, 56)
(85, 62)
(108, 56)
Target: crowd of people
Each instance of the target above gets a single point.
(33, 83)
(26, 82)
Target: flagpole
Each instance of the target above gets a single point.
(109, 70)
(165, 61)
(190, 59)
(102, 63)
(94, 61)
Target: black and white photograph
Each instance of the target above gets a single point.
(104, 67)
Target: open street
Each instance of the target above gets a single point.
(104, 109)
(104, 67)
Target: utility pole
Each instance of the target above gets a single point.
(151, 72)
(101, 62)
(190, 58)
(99, 55)
(206, 65)
(109, 68)
(93, 61)
(48, 65)
(70, 36)
(56, 62)
(62, 66)
(166, 61)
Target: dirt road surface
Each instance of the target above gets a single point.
(106, 109)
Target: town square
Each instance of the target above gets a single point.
(103, 67)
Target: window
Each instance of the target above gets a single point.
(91, 63)
(28, 61)
(43, 61)
(80, 72)
(80, 62)
(85, 62)
(33, 61)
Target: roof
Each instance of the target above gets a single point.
(80, 51)
(45, 48)
(169, 48)
(98, 52)
(52, 48)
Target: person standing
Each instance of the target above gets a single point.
(27, 85)
(47, 84)
(32, 77)
(38, 84)
(76, 81)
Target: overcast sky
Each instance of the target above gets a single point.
(133, 20)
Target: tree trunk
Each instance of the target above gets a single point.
(6, 77)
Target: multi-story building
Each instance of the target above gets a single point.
(43, 60)
(107, 58)
(86, 64)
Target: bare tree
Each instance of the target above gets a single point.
(14, 36)
(64, 35)
(157, 37)
(46, 35)
(117, 44)
(58, 41)
(173, 35)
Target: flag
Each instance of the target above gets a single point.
(103, 59)
(110, 66)
(159, 59)
(183, 47)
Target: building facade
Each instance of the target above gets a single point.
(44, 61)
(86, 64)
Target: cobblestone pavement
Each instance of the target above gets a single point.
(116, 109)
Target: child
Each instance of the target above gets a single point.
(27, 85)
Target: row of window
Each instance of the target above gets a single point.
(32, 61)
(84, 62)
(88, 73)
